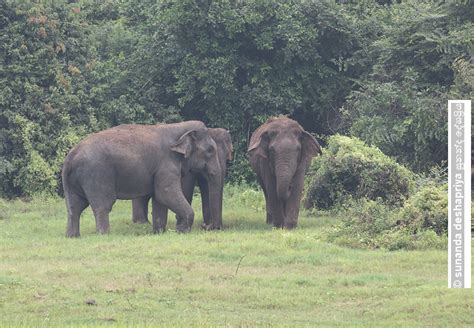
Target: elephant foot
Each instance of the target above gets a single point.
(159, 231)
(183, 229)
(209, 227)
(102, 231)
(72, 234)
(290, 226)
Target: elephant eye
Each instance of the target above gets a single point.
(210, 150)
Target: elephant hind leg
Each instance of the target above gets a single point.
(75, 205)
(101, 213)
(140, 210)
(101, 196)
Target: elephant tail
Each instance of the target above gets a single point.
(66, 171)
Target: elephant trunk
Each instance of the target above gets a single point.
(216, 188)
(285, 168)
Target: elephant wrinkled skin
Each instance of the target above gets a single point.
(131, 161)
(280, 152)
(190, 179)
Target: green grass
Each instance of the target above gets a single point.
(285, 278)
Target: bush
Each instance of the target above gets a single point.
(400, 239)
(426, 210)
(421, 223)
(363, 221)
(349, 168)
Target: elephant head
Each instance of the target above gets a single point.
(285, 148)
(225, 149)
(200, 156)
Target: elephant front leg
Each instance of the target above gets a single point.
(275, 210)
(140, 210)
(159, 216)
(274, 207)
(206, 212)
(293, 203)
(269, 217)
(188, 182)
(268, 208)
(211, 193)
(171, 196)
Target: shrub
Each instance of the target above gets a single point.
(363, 220)
(349, 168)
(421, 223)
(401, 239)
(426, 210)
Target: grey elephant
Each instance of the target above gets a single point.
(131, 161)
(280, 152)
(190, 179)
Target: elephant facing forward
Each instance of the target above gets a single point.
(132, 161)
(280, 152)
(189, 180)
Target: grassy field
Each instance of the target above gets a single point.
(285, 278)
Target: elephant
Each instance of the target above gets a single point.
(190, 179)
(280, 152)
(131, 161)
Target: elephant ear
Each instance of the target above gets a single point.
(311, 146)
(229, 146)
(184, 144)
(259, 146)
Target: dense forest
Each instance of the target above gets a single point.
(381, 71)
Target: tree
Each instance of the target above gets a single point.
(421, 58)
(235, 63)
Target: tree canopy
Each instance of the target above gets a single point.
(381, 71)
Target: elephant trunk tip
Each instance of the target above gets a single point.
(283, 194)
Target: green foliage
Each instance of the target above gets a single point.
(419, 58)
(427, 209)
(246, 197)
(364, 221)
(349, 168)
(380, 71)
(60, 78)
(372, 224)
(404, 122)
(235, 63)
(421, 223)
